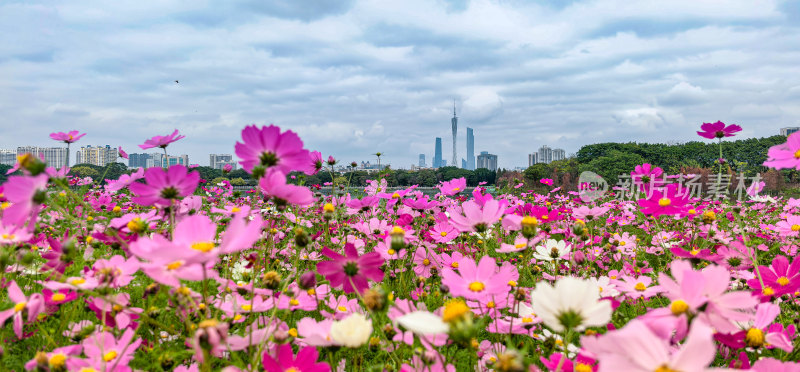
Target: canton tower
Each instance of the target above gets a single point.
(454, 121)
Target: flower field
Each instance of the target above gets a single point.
(153, 271)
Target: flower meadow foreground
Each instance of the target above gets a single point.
(157, 271)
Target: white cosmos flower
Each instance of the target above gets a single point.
(353, 331)
(572, 302)
(423, 323)
(551, 249)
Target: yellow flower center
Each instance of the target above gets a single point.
(328, 208)
(311, 292)
(58, 297)
(454, 310)
(529, 221)
(117, 308)
(443, 234)
(664, 202)
(293, 332)
(476, 286)
(342, 308)
(204, 247)
(665, 368)
(395, 196)
(109, 356)
(694, 252)
(678, 307)
(527, 319)
(247, 307)
(767, 291)
(175, 265)
(391, 251)
(640, 287)
(236, 209)
(57, 360)
(135, 225)
(237, 317)
(491, 305)
(20, 306)
(622, 243)
(454, 264)
(520, 245)
(580, 367)
(294, 302)
(512, 283)
(78, 281)
(5, 205)
(754, 337)
(795, 227)
(426, 262)
(783, 281)
(797, 154)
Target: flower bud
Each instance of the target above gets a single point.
(301, 237)
(271, 280)
(398, 236)
(307, 280)
(375, 299)
(31, 163)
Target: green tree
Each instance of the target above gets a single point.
(613, 164)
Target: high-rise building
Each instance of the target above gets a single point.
(559, 154)
(487, 160)
(138, 160)
(463, 163)
(175, 160)
(421, 160)
(533, 158)
(96, 155)
(437, 155)
(454, 125)
(218, 161)
(547, 155)
(54, 156)
(789, 130)
(8, 157)
(470, 149)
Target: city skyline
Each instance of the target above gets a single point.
(382, 78)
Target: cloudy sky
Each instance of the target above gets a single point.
(355, 77)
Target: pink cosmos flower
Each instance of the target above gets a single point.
(351, 271)
(638, 287)
(586, 213)
(785, 155)
(647, 177)
(774, 365)
(106, 353)
(718, 130)
(227, 168)
(32, 306)
(453, 186)
(475, 282)
(62, 356)
(315, 333)
(637, 348)
(285, 360)
(124, 181)
(779, 278)
(443, 233)
(314, 163)
(161, 141)
(475, 218)
(759, 333)
(790, 227)
(668, 201)
(270, 148)
(163, 187)
(546, 181)
(122, 153)
(69, 137)
(25, 193)
(274, 184)
(115, 272)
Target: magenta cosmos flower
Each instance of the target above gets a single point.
(161, 141)
(669, 201)
(274, 184)
(351, 271)
(269, 148)
(718, 130)
(785, 155)
(69, 137)
(306, 360)
(164, 186)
